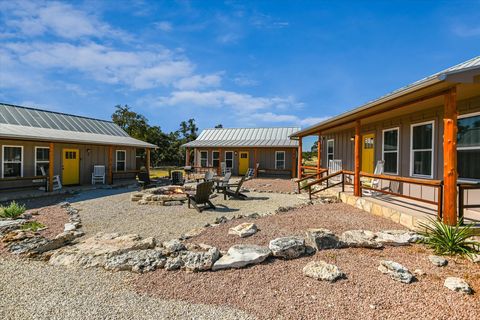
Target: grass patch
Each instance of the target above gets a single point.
(449, 240)
(13, 210)
(162, 172)
(33, 225)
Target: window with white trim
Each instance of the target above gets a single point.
(42, 160)
(229, 159)
(422, 149)
(203, 158)
(330, 150)
(12, 165)
(468, 146)
(215, 159)
(390, 144)
(121, 160)
(279, 159)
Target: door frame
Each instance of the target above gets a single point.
(63, 165)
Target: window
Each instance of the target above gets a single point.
(330, 147)
(215, 159)
(421, 156)
(42, 160)
(468, 146)
(390, 150)
(121, 160)
(203, 158)
(279, 159)
(229, 159)
(12, 161)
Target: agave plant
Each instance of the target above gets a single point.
(449, 240)
(13, 210)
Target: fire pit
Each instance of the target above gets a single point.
(161, 195)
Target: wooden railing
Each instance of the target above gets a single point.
(309, 186)
(461, 198)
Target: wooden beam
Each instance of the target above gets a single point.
(110, 165)
(219, 169)
(356, 179)
(255, 150)
(187, 157)
(450, 158)
(300, 158)
(319, 153)
(148, 161)
(51, 163)
(294, 164)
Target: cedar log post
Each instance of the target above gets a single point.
(147, 164)
(294, 163)
(51, 160)
(219, 168)
(255, 162)
(110, 165)
(356, 184)
(450, 158)
(319, 154)
(187, 157)
(300, 156)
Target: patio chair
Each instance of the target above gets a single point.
(235, 193)
(145, 181)
(202, 197)
(222, 184)
(223, 168)
(372, 182)
(333, 167)
(249, 174)
(57, 184)
(98, 174)
(177, 178)
(208, 176)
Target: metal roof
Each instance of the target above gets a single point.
(469, 65)
(17, 122)
(245, 137)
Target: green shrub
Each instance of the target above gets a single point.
(14, 210)
(449, 240)
(32, 225)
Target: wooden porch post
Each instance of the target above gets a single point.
(356, 184)
(294, 163)
(51, 161)
(147, 160)
(450, 158)
(255, 162)
(219, 168)
(300, 156)
(110, 165)
(319, 153)
(187, 157)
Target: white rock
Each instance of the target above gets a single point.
(458, 284)
(69, 227)
(244, 230)
(321, 239)
(200, 260)
(173, 245)
(321, 270)
(438, 261)
(287, 247)
(241, 255)
(359, 239)
(396, 271)
(397, 237)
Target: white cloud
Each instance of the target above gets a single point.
(164, 26)
(198, 81)
(287, 118)
(244, 81)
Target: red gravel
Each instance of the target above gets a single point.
(275, 185)
(277, 289)
(54, 218)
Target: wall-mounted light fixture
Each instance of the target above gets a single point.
(88, 151)
(352, 138)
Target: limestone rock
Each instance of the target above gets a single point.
(17, 235)
(241, 255)
(139, 261)
(8, 225)
(173, 263)
(70, 227)
(173, 245)
(321, 239)
(438, 261)
(475, 258)
(396, 271)
(222, 219)
(27, 245)
(287, 247)
(244, 230)
(359, 239)
(321, 270)
(458, 284)
(200, 260)
(397, 237)
(193, 233)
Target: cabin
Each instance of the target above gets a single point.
(269, 151)
(38, 146)
(426, 136)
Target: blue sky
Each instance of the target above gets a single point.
(249, 63)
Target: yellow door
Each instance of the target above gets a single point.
(368, 153)
(243, 163)
(70, 166)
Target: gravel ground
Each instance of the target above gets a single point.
(35, 290)
(278, 290)
(112, 211)
(275, 185)
(54, 218)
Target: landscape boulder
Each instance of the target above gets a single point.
(438, 261)
(139, 261)
(458, 284)
(397, 237)
(173, 263)
(321, 270)
(204, 260)
(244, 230)
(7, 225)
(241, 255)
(287, 247)
(173, 245)
(321, 239)
(396, 271)
(359, 239)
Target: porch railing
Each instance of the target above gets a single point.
(462, 187)
(324, 179)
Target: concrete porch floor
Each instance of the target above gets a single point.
(401, 210)
(22, 194)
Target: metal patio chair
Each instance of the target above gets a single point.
(98, 174)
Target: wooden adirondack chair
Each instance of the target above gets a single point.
(222, 184)
(145, 181)
(228, 192)
(371, 182)
(202, 197)
(249, 174)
